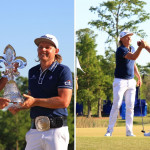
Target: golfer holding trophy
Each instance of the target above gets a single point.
(50, 91)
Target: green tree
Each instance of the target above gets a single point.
(118, 15)
(89, 82)
(13, 129)
(107, 64)
(145, 73)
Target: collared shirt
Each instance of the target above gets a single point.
(45, 85)
(124, 67)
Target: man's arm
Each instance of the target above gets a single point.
(3, 82)
(147, 47)
(61, 101)
(14, 110)
(137, 74)
(3, 102)
(134, 56)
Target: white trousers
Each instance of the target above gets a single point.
(53, 139)
(127, 88)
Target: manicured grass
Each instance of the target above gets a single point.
(93, 139)
(90, 135)
(112, 143)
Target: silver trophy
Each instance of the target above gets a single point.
(9, 60)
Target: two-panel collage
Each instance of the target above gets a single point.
(75, 75)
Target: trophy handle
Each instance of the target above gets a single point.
(22, 61)
(2, 60)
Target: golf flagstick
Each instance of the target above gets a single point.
(141, 110)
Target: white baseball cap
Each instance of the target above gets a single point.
(47, 38)
(125, 33)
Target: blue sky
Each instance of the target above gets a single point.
(83, 16)
(23, 21)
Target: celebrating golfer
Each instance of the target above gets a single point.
(124, 83)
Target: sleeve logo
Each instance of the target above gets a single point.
(68, 82)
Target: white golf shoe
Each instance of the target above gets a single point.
(147, 134)
(129, 133)
(108, 133)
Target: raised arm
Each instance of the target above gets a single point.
(147, 47)
(134, 56)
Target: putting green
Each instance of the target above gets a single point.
(118, 131)
(94, 139)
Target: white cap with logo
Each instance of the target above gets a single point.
(125, 33)
(47, 38)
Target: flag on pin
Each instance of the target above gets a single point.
(78, 64)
